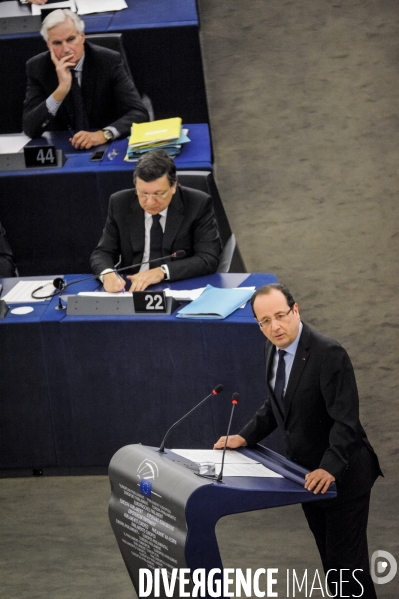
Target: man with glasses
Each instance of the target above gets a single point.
(312, 397)
(78, 86)
(156, 219)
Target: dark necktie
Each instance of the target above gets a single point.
(280, 379)
(80, 122)
(156, 239)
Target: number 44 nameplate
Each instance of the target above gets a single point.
(40, 156)
(149, 302)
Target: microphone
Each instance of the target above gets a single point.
(218, 389)
(234, 401)
(59, 282)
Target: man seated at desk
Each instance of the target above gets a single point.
(79, 86)
(157, 218)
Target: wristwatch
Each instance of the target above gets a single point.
(109, 136)
(165, 271)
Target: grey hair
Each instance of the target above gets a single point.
(56, 17)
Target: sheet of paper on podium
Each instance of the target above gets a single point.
(235, 464)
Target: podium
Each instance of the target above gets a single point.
(164, 515)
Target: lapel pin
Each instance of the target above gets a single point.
(303, 359)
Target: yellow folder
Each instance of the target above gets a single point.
(155, 132)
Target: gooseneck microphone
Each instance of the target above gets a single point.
(234, 401)
(218, 389)
(61, 286)
(58, 283)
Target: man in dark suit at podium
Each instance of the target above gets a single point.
(79, 86)
(156, 219)
(312, 397)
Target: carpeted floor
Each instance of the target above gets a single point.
(303, 99)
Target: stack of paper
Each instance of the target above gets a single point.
(167, 134)
(216, 303)
(87, 7)
(37, 9)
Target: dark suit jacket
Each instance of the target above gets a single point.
(109, 94)
(7, 264)
(321, 424)
(190, 226)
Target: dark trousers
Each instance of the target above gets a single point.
(340, 529)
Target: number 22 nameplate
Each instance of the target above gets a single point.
(149, 302)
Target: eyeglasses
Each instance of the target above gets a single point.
(159, 195)
(266, 322)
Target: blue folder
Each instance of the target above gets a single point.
(215, 303)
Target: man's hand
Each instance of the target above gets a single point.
(233, 442)
(113, 283)
(37, 1)
(84, 140)
(318, 481)
(63, 69)
(144, 278)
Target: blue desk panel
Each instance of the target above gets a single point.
(106, 382)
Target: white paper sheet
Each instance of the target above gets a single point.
(235, 464)
(103, 294)
(21, 293)
(257, 470)
(215, 456)
(87, 7)
(184, 295)
(12, 144)
(37, 8)
(179, 295)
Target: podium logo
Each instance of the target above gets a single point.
(148, 470)
(383, 567)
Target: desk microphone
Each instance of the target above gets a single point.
(61, 286)
(218, 389)
(234, 401)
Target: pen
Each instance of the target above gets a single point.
(119, 277)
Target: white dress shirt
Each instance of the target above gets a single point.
(288, 359)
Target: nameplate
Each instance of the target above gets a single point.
(149, 302)
(40, 156)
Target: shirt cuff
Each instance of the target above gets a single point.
(114, 131)
(52, 105)
(167, 277)
(103, 273)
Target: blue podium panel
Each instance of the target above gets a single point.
(54, 217)
(164, 515)
(161, 41)
(105, 382)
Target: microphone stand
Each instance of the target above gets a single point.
(61, 285)
(234, 401)
(216, 390)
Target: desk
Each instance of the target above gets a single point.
(55, 217)
(76, 389)
(161, 41)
